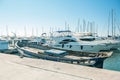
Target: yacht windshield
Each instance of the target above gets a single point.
(66, 41)
(87, 39)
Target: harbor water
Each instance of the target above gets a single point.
(113, 62)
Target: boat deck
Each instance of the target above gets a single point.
(34, 50)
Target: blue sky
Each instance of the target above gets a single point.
(41, 15)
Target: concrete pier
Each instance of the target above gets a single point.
(15, 68)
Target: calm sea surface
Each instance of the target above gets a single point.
(113, 62)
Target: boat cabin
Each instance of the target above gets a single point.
(56, 53)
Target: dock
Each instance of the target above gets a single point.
(13, 67)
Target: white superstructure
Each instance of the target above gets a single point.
(66, 41)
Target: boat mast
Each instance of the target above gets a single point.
(114, 19)
(36, 32)
(88, 26)
(78, 25)
(108, 24)
(93, 23)
(91, 27)
(65, 25)
(112, 23)
(84, 25)
(68, 27)
(96, 30)
(25, 31)
(7, 31)
(32, 32)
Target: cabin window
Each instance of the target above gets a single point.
(62, 45)
(86, 39)
(81, 47)
(70, 46)
(66, 41)
(69, 40)
(92, 46)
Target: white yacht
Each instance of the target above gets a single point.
(66, 41)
